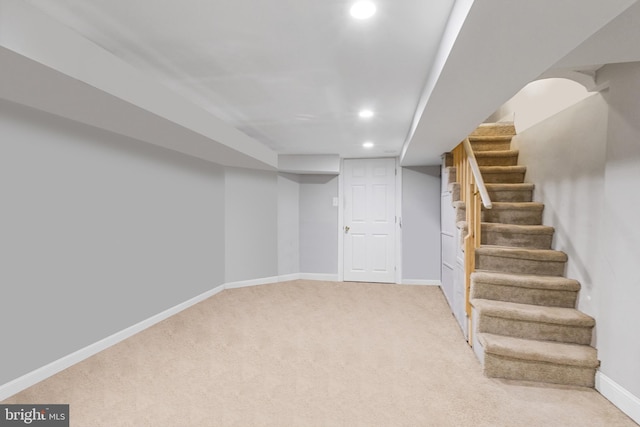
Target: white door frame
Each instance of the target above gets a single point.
(398, 222)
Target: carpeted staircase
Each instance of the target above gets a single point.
(525, 324)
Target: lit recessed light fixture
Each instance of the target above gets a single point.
(365, 114)
(368, 144)
(363, 9)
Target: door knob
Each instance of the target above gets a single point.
(346, 229)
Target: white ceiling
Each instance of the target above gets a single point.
(504, 45)
(292, 74)
(616, 42)
(249, 80)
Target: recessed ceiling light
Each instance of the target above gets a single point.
(365, 114)
(368, 144)
(363, 10)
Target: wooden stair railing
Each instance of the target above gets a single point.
(473, 193)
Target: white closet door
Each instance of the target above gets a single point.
(369, 220)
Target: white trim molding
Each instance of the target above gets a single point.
(322, 277)
(619, 396)
(421, 282)
(310, 276)
(252, 282)
(341, 222)
(289, 277)
(40, 374)
(398, 214)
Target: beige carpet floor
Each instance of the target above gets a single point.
(309, 353)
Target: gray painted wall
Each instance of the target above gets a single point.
(98, 232)
(251, 218)
(318, 224)
(585, 163)
(288, 224)
(619, 296)
(421, 223)
(565, 159)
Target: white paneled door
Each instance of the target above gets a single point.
(369, 220)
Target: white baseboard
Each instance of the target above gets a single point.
(252, 282)
(619, 396)
(289, 277)
(40, 374)
(421, 282)
(318, 276)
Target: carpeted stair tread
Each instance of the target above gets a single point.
(513, 193)
(509, 259)
(497, 157)
(533, 313)
(497, 153)
(516, 235)
(493, 129)
(503, 169)
(511, 228)
(551, 291)
(517, 228)
(490, 144)
(540, 351)
(506, 206)
(522, 253)
(509, 186)
(517, 206)
(522, 213)
(513, 235)
(529, 281)
(503, 174)
(491, 138)
(510, 192)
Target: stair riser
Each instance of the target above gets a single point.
(513, 216)
(511, 196)
(526, 370)
(455, 191)
(493, 129)
(447, 159)
(519, 266)
(503, 177)
(544, 297)
(497, 160)
(534, 330)
(495, 195)
(490, 145)
(451, 174)
(502, 238)
(506, 216)
(514, 240)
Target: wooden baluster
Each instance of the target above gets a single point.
(473, 194)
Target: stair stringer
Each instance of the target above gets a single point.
(452, 269)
